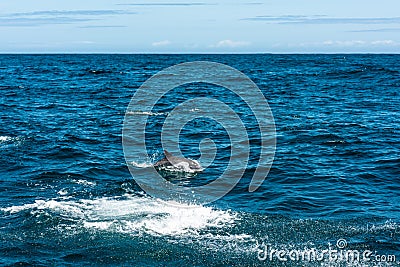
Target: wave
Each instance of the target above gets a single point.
(148, 113)
(141, 164)
(84, 182)
(133, 215)
(206, 232)
(5, 139)
(146, 162)
(13, 141)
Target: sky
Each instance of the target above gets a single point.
(199, 26)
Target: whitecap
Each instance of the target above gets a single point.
(147, 113)
(63, 192)
(141, 164)
(5, 138)
(134, 215)
(84, 182)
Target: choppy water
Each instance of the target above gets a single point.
(67, 197)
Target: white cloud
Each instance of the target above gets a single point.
(84, 42)
(321, 19)
(350, 43)
(161, 43)
(230, 44)
(360, 43)
(51, 17)
(384, 42)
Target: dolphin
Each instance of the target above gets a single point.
(174, 163)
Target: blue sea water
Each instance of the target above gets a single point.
(67, 197)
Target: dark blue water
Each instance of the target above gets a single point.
(67, 197)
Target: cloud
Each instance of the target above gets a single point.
(165, 4)
(84, 42)
(52, 13)
(32, 22)
(48, 17)
(102, 26)
(378, 30)
(384, 42)
(355, 43)
(253, 4)
(319, 19)
(161, 43)
(345, 43)
(230, 44)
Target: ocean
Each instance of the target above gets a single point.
(331, 196)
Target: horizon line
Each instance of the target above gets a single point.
(198, 53)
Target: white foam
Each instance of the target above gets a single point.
(63, 192)
(145, 162)
(148, 113)
(71, 208)
(388, 225)
(84, 182)
(134, 215)
(8, 140)
(142, 164)
(5, 138)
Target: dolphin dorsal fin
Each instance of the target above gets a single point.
(167, 154)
